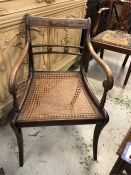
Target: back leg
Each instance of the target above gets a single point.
(102, 53)
(125, 60)
(128, 74)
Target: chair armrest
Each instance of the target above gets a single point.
(100, 12)
(12, 86)
(108, 83)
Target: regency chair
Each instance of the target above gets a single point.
(57, 98)
(116, 40)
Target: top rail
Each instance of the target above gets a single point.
(33, 21)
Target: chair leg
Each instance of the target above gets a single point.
(128, 74)
(97, 131)
(118, 167)
(125, 60)
(128, 168)
(19, 136)
(102, 53)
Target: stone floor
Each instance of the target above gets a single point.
(67, 150)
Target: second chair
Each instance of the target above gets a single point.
(116, 40)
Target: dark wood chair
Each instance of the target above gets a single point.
(116, 40)
(94, 7)
(121, 165)
(58, 98)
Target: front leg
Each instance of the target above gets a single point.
(97, 131)
(19, 136)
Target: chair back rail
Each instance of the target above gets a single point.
(57, 52)
(33, 21)
(50, 47)
(56, 45)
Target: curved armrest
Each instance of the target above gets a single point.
(12, 80)
(108, 83)
(100, 12)
(103, 9)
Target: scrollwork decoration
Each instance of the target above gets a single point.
(47, 1)
(66, 39)
(2, 11)
(39, 1)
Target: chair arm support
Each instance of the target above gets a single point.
(108, 83)
(101, 10)
(12, 86)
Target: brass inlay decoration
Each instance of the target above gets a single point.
(47, 1)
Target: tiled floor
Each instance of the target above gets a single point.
(67, 150)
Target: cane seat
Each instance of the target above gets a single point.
(58, 96)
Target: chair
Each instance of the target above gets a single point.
(57, 98)
(121, 164)
(92, 12)
(116, 40)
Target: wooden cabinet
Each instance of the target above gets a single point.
(12, 39)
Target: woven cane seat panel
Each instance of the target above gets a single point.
(117, 38)
(58, 96)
